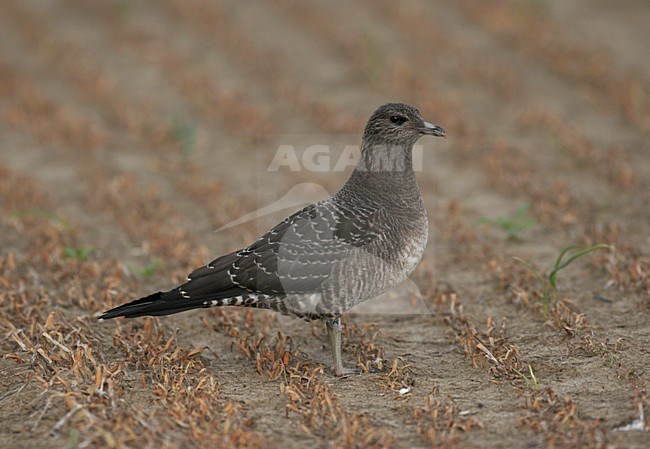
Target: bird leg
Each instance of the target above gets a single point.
(334, 332)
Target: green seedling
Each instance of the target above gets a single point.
(541, 4)
(148, 270)
(533, 377)
(43, 213)
(81, 253)
(528, 381)
(549, 284)
(514, 226)
(185, 133)
(124, 8)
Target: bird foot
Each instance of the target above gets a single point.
(345, 372)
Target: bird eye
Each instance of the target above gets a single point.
(397, 119)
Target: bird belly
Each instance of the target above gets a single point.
(412, 252)
(368, 274)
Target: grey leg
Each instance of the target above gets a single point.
(334, 332)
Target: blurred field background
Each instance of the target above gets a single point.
(131, 130)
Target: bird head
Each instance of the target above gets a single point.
(398, 124)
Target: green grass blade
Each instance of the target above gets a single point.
(523, 376)
(542, 283)
(522, 211)
(532, 270)
(559, 265)
(533, 377)
(561, 255)
(580, 254)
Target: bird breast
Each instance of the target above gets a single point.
(413, 246)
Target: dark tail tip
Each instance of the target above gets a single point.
(148, 305)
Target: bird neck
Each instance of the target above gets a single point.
(384, 170)
(386, 158)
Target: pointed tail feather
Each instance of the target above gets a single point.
(157, 304)
(191, 295)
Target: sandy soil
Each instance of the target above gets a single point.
(130, 131)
